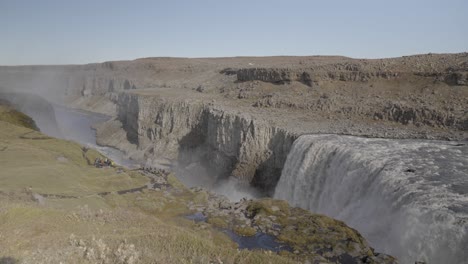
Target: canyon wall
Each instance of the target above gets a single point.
(250, 109)
(308, 76)
(189, 131)
(67, 83)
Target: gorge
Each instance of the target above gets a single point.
(379, 144)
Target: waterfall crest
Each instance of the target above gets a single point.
(409, 198)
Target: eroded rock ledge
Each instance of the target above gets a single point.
(231, 144)
(308, 77)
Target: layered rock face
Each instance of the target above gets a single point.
(271, 101)
(435, 66)
(308, 76)
(231, 144)
(405, 114)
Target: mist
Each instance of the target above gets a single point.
(43, 95)
(196, 174)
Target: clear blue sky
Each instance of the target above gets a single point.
(83, 31)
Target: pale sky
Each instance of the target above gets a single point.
(85, 31)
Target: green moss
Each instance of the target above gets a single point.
(174, 182)
(245, 231)
(218, 222)
(200, 197)
(175, 208)
(305, 231)
(270, 207)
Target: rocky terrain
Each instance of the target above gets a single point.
(238, 117)
(242, 114)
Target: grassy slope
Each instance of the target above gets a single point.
(12, 116)
(131, 228)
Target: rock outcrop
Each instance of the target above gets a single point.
(309, 77)
(271, 101)
(277, 76)
(231, 144)
(318, 238)
(405, 114)
(434, 66)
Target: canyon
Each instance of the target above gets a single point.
(243, 114)
(240, 117)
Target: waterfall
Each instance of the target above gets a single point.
(409, 198)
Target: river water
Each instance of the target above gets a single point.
(76, 125)
(409, 198)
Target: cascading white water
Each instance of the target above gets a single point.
(409, 198)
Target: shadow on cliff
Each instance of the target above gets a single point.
(192, 166)
(201, 165)
(269, 171)
(196, 167)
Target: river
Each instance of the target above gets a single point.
(76, 125)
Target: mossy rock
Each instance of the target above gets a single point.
(269, 207)
(245, 231)
(313, 233)
(218, 222)
(307, 232)
(200, 197)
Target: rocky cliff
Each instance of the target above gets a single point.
(240, 116)
(435, 66)
(309, 77)
(190, 131)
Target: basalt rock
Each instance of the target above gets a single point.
(233, 144)
(402, 113)
(310, 77)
